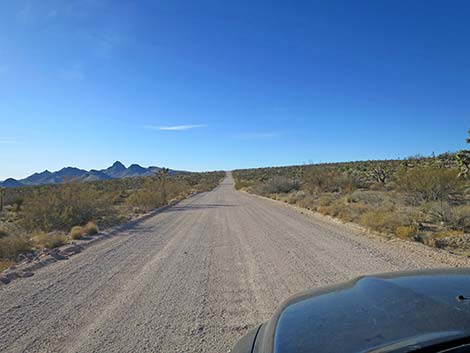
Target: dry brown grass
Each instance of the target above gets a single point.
(405, 232)
(447, 233)
(49, 240)
(78, 232)
(438, 239)
(380, 220)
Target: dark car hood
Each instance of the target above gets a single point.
(383, 313)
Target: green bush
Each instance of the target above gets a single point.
(429, 183)
(460, 218)
(59, 207)
(146, 200)
(13, 245)
(279, 184)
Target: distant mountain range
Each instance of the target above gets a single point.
(116, 171)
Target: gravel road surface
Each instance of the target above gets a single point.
(193, 278)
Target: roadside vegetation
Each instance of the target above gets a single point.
(37, 217)
(425, 199)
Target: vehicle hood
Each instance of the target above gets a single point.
(389, 312)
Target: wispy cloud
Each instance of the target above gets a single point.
(174, 127)
(6, 142)
(258, 135)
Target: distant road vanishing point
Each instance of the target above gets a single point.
(193, 278)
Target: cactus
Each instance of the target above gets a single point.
(380, 173)
(463, 160)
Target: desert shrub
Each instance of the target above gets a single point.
(60, 207)
(372, 198)
(460, 218)
(78, 232)
(299, 195)
(48, 240)
(321, 180)
(291, 199)
(429, 183)
(353, 212)
(146, 200)
(91, 228)
(279, 184)
(308, 201)
(17, 203)
(438, 212)
(441, 239)
(405, 232)
(150, 194)
(343, 209)
(325, 200)
(242, 184)
(454, 217)
(381, 220)
(13, 245)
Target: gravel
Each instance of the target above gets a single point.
(193, 278)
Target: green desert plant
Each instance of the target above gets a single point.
(14, 244)
(429, 183)
(463, 160)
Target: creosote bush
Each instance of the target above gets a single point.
(279, 184)
(13, 245)
(59, 207)
(429, 183)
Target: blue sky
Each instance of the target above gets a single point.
(203, 85)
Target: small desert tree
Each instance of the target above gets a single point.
(162, 176)
(463, 160)
(380, 172)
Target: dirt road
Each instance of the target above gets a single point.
(191, 279)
